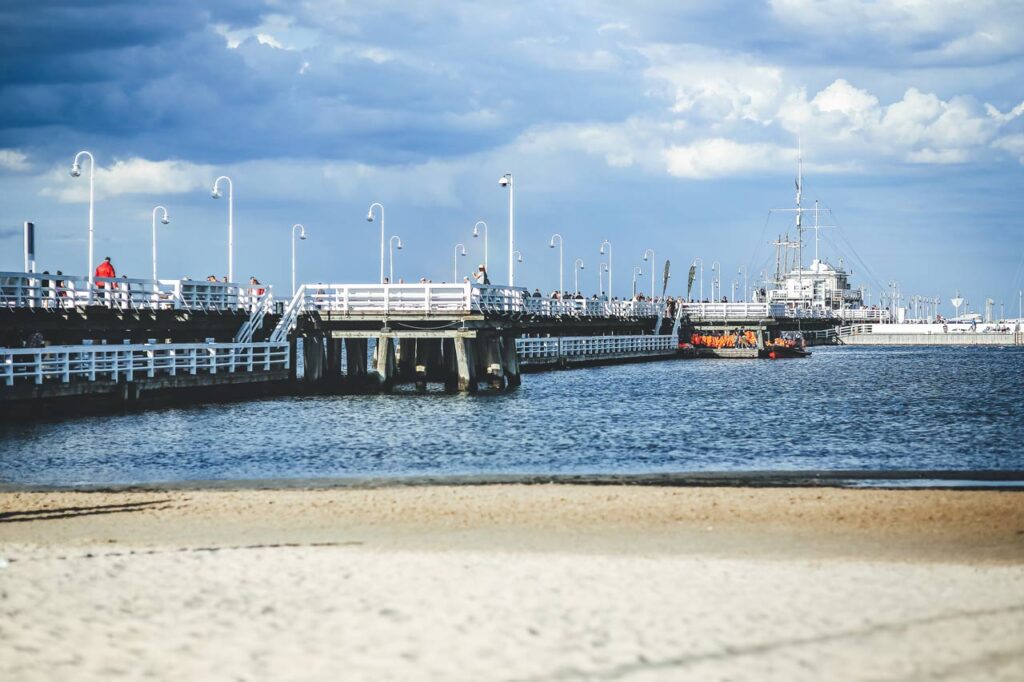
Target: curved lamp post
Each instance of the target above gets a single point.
(716, 279)
(637, 270)
(165, 220)
(507, 181)
(215, 193)
(576, 267)
(76, 171)
(476, 233)
(698, 258)
(602, 268)
(609, 245)
(302, 235)
(369, 219)
(551, 244)
(391, 256)
(455, 261)
(650, 251)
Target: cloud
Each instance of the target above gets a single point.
(13, 160)
(1014, 144)
(720, 157)
(130, 176)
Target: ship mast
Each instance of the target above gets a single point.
(799, 217)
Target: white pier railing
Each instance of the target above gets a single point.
(429, 299)
(732, 311)
(44, 291)
(574, 347)
(71, 363)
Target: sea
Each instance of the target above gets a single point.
(843, 409)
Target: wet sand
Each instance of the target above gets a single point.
(513, 582)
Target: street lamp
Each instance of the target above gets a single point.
(476, 233)
(165, 220)
(391, 256)
(302, 235)
(76, 171)
(603, 268)
(231, 221)
(551, 244)
(576, 267)
(701, 295)
(506, 181)
(369, 218)
(743, 271)
(609, 245)
(650, 251)
(716, 279)
(637, 270)
(455, 261)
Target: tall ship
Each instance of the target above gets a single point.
(821, 289)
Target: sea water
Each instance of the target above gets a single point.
(866, 409)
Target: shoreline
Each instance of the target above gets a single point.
(902, 479)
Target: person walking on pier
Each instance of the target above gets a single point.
(481, 276)
(106, 269)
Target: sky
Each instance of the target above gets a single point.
(665, 125)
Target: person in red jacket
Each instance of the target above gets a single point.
(105, 269)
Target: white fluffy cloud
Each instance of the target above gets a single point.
(13, 160)
(130, 176)
(720, 157)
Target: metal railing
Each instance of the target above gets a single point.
(555, 347)
(34, 290)
(732, 311)
(68, 363)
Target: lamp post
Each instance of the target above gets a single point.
(165, 220)
(576, 267)
(743, 271)
(701, 290)
(476, 233)
(637, 270)
(231, 221)
(716, 279)
(506, 181)
(76, 171)
(369, 219)
(302, 235)
(603, 268)
(455, 261)
(551, 244)
(609, 245)
(650, 251)
(391, 256)
(733, 297)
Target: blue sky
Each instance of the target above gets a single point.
(669, 125)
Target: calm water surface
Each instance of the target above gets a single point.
(844, 408)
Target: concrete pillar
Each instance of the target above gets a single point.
(489, 347)
(449, 365)
(355, 361)
(465, 365)
(333, 374)
(384, 362)
(510, 361)
(314, 356)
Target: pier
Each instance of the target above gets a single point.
(117, 342)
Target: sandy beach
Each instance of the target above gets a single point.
(513, 582)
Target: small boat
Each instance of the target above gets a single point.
(780, 352)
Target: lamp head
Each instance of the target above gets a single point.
(476, 231)
(520, 259)
(76, 170)
(551, 245)
(166, 219)
(602, 249)
(399, 245)
(369, 216)
(216, 192)
(504, 181)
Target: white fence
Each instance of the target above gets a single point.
(732, 311)
(66, 363)
(575, 347)
(429, 299)
(34, 290)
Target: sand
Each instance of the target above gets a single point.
(512, 582)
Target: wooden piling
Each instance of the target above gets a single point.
(465, 364)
